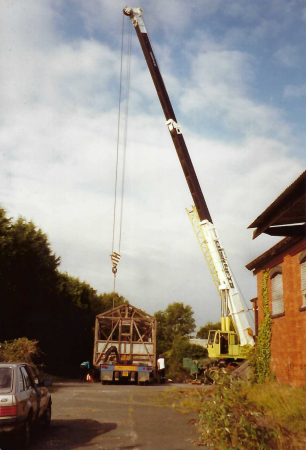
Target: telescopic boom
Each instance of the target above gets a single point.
(231, 305)
(175, 130)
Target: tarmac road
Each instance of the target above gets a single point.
(114, 417)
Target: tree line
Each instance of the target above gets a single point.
(41, 303)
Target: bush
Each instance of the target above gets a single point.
(182, 348)
(229, 419)
(19, 350)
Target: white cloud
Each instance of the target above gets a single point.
(220, 88)
(58, 143)
(287, 56)
(293, 91)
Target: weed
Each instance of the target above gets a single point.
(263, 416)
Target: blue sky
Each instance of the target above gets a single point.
(235, 72)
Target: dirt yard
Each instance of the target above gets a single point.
(114, 417)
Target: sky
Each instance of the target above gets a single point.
(235, 73)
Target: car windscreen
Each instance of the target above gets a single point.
(6, 378)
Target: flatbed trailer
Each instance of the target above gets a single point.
(125, 345)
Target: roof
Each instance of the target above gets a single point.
(286, 216)
(125, 311)
(277, 250)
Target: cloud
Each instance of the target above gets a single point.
(220, 89)
(292, 91)
(287, 56)
(58, 148)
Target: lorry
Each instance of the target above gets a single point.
(235, 338)
(125, 345)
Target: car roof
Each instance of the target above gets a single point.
(10, 364)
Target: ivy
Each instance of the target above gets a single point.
(261, 358)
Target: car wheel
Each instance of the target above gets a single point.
(47, 417)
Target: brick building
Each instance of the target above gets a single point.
(286, 262)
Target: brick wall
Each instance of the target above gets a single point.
(288, 345)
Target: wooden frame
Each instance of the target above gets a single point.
(131, 330)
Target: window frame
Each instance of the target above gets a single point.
(302, 260)
(26, 377)
(21, 381)
(276, 271)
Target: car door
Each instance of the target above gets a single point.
(21, 396)
(32, 393)
(42, 391)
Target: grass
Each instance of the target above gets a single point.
(277, 411)
(285, 408)
(185, 400)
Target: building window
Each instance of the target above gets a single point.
(277, 291)
(303, 278)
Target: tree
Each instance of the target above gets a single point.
(176, 320)
(204, 330)
(41, 303)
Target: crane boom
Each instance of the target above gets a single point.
(231, 306)
(174, 128)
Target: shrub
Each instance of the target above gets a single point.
(182, 348)
(19, 350)
(229, 419)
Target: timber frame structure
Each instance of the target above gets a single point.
(129, 329)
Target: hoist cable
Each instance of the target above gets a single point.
(127, 97)
(118, 135)
(117, 164)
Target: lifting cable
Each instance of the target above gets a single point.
(115, 256)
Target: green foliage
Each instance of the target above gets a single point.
(176, 320)
(260, 356)
(229, 419)
(257, 416)
(43, 304)
(182, 348)
(284, 405)
(19, 350)
(204, 330)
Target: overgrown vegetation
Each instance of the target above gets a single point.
(236, 415)
(229, 419)
(260, 356)
(19, 350)
(262, 416)
(182, 348)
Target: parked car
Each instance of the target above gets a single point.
(24, 400)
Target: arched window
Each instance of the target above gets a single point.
(303, 279)
(276, 276)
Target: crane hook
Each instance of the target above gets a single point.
(115, 257)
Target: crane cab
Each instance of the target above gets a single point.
(225, 344)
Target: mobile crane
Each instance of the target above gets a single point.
(224, 343)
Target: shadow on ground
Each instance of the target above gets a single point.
(63, 435)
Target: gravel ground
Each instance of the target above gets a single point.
(113, 417)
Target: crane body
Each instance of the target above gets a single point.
(225, 343)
